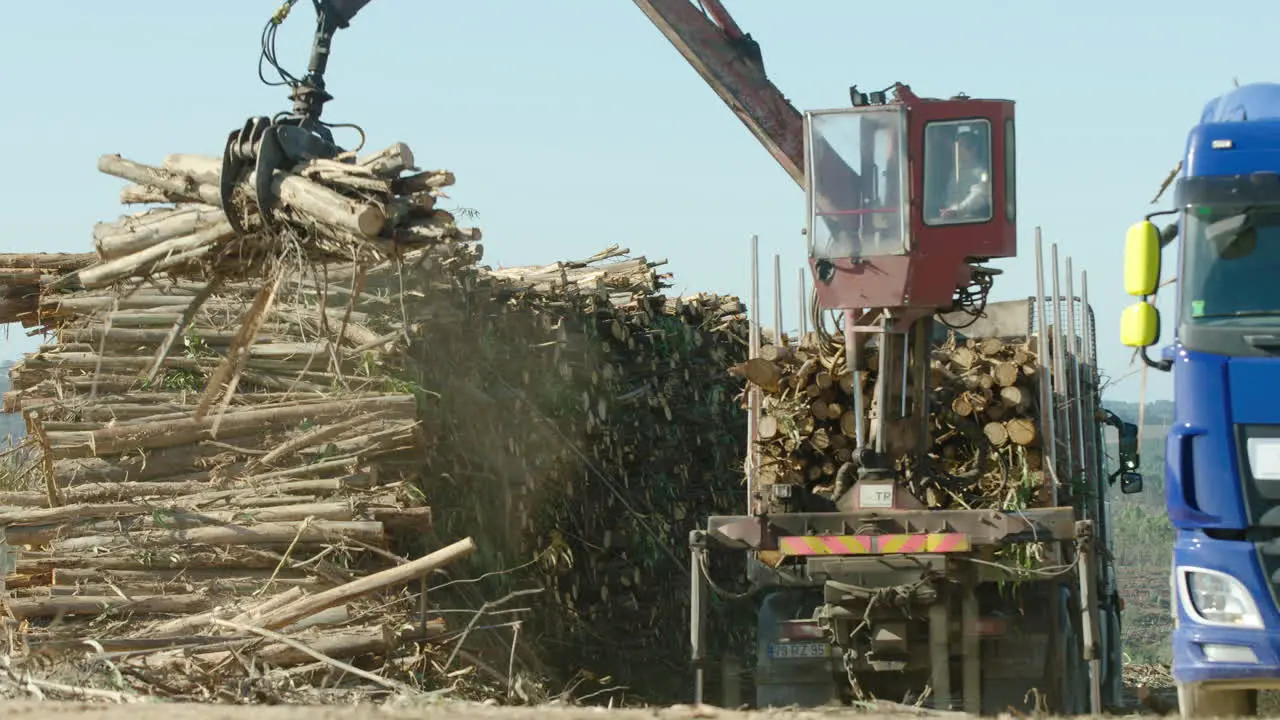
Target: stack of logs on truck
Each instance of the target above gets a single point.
(989, 577)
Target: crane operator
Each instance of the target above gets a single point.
(969, 187)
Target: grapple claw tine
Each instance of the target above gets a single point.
(231, 167)
(239, 153)
(271, 157)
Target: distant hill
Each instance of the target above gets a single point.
(1159, 412)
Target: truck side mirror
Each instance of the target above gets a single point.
(1142, 259)
(1140, 325)
(1130, 482)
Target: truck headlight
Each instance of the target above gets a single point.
(1215, 598)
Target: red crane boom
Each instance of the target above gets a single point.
(730, 62)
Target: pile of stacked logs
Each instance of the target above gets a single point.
(983, 398)
(205, 525)
(228, 426)
(24, 275)
(985, 438)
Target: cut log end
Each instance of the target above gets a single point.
(1022, 431)
(996, 434)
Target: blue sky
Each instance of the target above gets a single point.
(573, 124)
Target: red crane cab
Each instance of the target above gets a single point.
(904, 196)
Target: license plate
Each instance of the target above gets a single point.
(875, 495)
(799, 650)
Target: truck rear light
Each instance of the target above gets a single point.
(801, 630)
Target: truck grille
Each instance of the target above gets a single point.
(1261, 505)
(1261, 496)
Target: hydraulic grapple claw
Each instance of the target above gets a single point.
(267, 146)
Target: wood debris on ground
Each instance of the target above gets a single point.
(244, 449)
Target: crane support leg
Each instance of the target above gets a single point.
(853, 342)
(971, 644)
(697, 612)
(940, 654)
(1089, 613)
(1054, 666)
(921, 332)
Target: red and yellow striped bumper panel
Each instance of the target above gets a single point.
(898, 544)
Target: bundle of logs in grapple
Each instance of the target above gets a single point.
(983, 449)
(238, 438)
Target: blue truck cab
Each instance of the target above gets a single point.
(1222, 468)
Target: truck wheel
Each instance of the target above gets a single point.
(1199, 701)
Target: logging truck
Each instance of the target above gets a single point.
(863, 592)
(865, 588)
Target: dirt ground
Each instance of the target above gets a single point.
(440, 711)
(1149, 692)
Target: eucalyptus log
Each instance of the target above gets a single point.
(309, 605)
(140, 231)
(175, 433)
(293, 191)
(279, 533)
(29, 608)
(1022, 431)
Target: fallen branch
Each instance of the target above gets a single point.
(309, 605)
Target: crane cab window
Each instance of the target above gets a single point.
(1010, 173)
(857, 183)
(957, 170)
